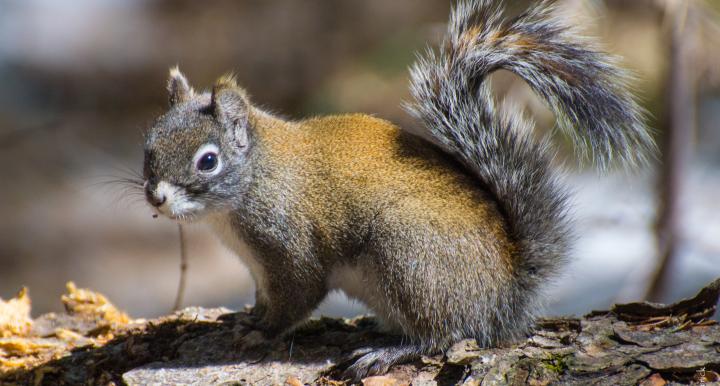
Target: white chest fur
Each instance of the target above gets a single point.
(232, 240)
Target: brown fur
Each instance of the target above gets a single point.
(351, 159)
(356, 171)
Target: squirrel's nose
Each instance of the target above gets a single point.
(156, 201)
(155, 198)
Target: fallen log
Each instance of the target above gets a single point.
(94, 343)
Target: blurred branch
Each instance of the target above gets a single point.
(675, 142)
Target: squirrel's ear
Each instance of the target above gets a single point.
(230, 108)
(178, 87)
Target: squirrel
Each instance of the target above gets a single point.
(448, 235)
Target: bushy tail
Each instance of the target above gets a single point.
(584, 88)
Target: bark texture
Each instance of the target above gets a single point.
(636, 343)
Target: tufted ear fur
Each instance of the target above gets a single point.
(230, 108)
(178, 87)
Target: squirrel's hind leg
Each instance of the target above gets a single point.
(379, 361)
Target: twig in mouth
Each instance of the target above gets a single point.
(183, 269)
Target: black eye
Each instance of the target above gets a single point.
(207, 162)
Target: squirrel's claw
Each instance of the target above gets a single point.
(379, 361)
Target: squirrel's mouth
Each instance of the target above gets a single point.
(183, 218)
(173, 202)
(182, 213)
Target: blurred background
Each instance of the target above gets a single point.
(80, 81)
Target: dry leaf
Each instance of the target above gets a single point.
(15, 317)
(654, 380)
(380, 381)
(22, 347)
(85, 301)
(293, 381)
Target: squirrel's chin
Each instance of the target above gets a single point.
(181, 218)
(187, 218)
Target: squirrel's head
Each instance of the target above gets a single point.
(196, 153)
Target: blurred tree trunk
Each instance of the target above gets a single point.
(675, 143)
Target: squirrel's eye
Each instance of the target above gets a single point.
(207, 162)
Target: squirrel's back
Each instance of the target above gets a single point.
(356, 166)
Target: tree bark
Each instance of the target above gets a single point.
(93, 343)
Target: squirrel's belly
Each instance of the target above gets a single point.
(360, 284)
(352, 281)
